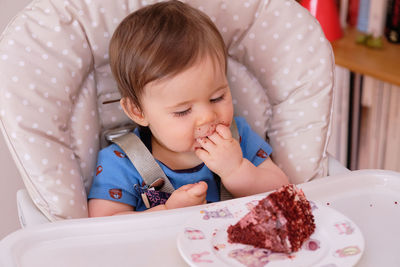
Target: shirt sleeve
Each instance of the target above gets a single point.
(254, 148)
(115, 177)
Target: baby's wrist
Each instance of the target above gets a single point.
(160, 207)
(233, 171)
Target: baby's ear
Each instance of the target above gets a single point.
(133, 111)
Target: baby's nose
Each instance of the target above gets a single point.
(206, 121)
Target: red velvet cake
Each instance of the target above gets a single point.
(280, 222)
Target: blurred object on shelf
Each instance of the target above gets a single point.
(363, 16)
(328, 16)
(343, 9)
(353, 12)
(392, 31)
(377, 18)
(371, 20)
(369, 40)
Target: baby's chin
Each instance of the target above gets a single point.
(190, 148)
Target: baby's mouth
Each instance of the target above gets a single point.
(205, 132)
(196, 142)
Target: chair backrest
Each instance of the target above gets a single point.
(56, 88)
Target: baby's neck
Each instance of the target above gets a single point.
(174, 160)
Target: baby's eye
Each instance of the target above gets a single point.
(182, 113)
(215, 100)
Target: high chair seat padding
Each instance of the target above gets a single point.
(56, 89)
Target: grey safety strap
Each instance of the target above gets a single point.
(144, 162)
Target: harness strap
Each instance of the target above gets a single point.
(144, 162)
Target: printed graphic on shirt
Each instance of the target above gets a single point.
(262, 154)
(99, 170)
(115, 193)
(119, 154)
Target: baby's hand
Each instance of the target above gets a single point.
(220, 151)
(188, 195)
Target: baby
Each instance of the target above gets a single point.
(170, 61)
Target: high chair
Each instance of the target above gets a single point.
(58, 97)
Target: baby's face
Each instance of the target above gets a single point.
(188, 105)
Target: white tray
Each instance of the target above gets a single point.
(370, 198)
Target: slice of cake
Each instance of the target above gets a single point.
(280, 222)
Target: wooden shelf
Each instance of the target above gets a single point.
(382, 64)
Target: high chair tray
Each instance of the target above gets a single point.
(370, 198)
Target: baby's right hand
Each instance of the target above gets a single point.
(188, 195)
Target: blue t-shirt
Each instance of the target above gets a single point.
(118, 180)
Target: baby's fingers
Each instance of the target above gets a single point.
(223, 131)
(198, 189)
(185, 187)
(202, 154)
(205, 143)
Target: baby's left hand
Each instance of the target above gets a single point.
(220, 151)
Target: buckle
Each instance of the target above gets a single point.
(157, 184)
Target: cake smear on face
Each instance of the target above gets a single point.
(280, 222)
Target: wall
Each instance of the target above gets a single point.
(10, 181)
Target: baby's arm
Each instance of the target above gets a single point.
(249, 179)
(185, 196)
(223, 155)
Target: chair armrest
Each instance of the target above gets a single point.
(28, 213)
(335, 167)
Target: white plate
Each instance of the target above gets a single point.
(337, 241)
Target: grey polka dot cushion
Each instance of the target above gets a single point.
(56, 89)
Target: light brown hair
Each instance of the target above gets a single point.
(159, 41)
